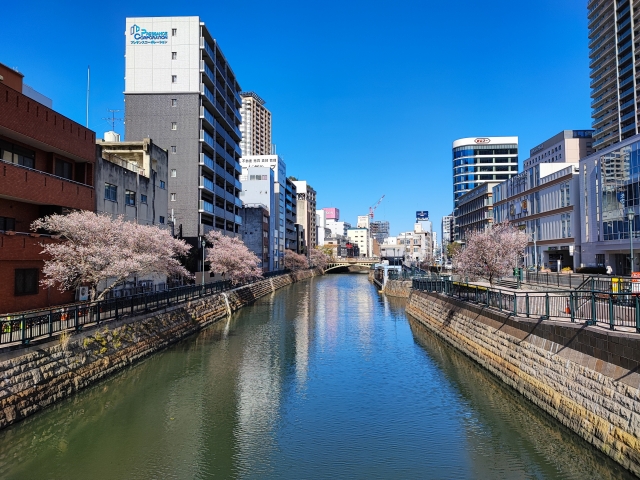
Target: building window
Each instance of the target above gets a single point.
(174, 102)
(63, 169)
(26, 281)
(129, 197)
(110, 192)
(7, 224)
(143, 198)
(162, 184)
(174, 173)
(174, 55)
(174, 79)
(174, 149)
(18, 155)
(174, 125)
(161, 220)
(173, 197)
(174, 32)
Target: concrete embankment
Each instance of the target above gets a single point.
(585, 377)
(35, 377)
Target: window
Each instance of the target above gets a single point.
(174, 125)
(174, 32)
(174, 149)
(161, 220)
(174, 55)
(26, 281)
(18, 155)
(162, 184)
(7, 224)
(173, 197)
(174, 173)
(174, 102)
(129, 197)
(143, 198)
(110, 192)
(63, 169)
(174, 79)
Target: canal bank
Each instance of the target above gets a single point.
(584, 377)
(35, 377)
(324, 378)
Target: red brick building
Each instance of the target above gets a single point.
(46, 166)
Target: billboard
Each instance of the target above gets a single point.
(422, 215)
(332, 213)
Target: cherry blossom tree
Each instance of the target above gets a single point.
(491, 254)
(295, 261)
(318, 258)
(230, 257)
(98, 248)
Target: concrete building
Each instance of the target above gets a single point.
(47, 164)
(447, 232)
(181, 92)
(363, 221)
(360, 236)
(256, 228)
(256, 125)
(614, 76)
(475, 210)
(307, 212)
(479, 160)
(259, 189)
(543, 201)
(133, 178)
(608, 194)
(568, 146)
(322, 231)
(277, 213)
(338, 229)
(379, 229)
(291, 235)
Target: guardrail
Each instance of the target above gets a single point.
(578, 281)
(24, 327)
(591, 307)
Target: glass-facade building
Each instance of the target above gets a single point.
(479, 160)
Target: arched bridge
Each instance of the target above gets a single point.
(351, 262)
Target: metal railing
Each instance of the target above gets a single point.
(577, 281)
(589, 307)
(24, 327)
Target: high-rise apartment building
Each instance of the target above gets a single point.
(478, 160)
(307, 211)
(181, 92)
(256, 125)
(614, 76)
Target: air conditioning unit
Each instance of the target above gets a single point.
(82, 294)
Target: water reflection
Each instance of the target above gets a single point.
(325, 378)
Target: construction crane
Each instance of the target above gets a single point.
(372, 209)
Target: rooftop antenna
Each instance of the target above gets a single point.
(113, 119)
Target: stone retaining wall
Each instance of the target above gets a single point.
(585, 377)
(398, 288)
(35, 377)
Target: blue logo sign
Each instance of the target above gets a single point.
(621, 197)
(422, 215)
(141, 36)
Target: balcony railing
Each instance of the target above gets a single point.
(206, 206)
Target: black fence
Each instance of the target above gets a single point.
(590, 307)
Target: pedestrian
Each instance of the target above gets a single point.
(609, 270)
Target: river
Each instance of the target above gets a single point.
(325, 378)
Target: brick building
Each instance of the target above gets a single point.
(46, 166)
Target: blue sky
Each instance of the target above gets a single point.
(366, 96)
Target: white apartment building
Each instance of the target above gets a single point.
(338, 228)
(363, 221)
(256, 125)
(360, 237)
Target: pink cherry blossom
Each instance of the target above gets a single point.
(98, 248)
(230, 257)
(295, 261)
(318, 258)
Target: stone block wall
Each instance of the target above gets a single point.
(35, 377)
(398, 288)
(585, 377)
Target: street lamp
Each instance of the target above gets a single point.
(204, 244)
(631, 215)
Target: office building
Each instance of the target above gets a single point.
(277, 213)
(307, 212)
(363, 221)
(360, 237)
(447, 233)
(475, 210)
(256, 125)
(48, 165)
(568, 146)
(479, 160)
(379, 229)
(256, 228)
(181, 92)
(614, 76)
(338, 229)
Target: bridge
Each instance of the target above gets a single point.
(351, 262)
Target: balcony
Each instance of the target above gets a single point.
(33, 186)
(207, 161)
(206, 183)
(631, 126)
(206, 207)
